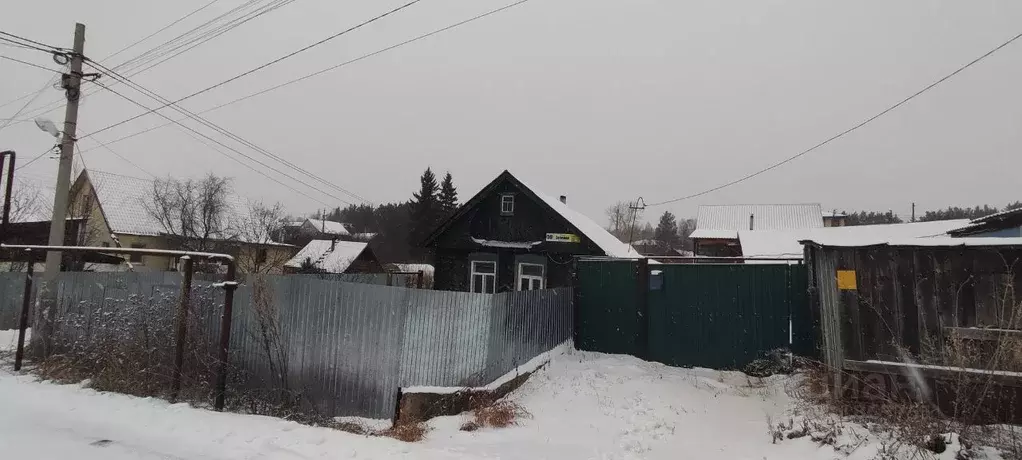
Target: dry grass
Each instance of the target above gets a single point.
(500, 414)
(409, 432)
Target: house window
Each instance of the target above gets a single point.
(261, 256)
(484, 276)
(507, 205)
(530, 277)
(105, 244)
(137, 258)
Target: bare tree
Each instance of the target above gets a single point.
(257, 228)
(25, 203)
(625, 221)
(196, 214)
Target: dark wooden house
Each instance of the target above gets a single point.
(1006, 224)
(510, 236)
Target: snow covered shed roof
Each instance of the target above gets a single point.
(1003, 219)
(328, 255)
(725, 221)
(329, 227)
(916, 233)
(599, 236)
(787, 243)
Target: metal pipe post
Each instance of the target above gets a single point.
(225, 335)
(6, 199)
(182, 328)
(26, 300)
(418, 280)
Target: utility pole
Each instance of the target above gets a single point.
(47, 299)
(913, 211)
(72, 83)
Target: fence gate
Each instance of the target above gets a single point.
(705, 315)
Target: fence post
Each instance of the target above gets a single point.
(418, 280)
(182, 328)
(23, 320)
(230, 285)
(576, 304)
(642, 304)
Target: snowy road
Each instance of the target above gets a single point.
(584, 406)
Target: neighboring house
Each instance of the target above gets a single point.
(717, 226)
(38, 233)
(302, 232)
(510, 236)
(324, 229)
(1005, 224)
(334, 256)
(834, 219)
(116, 213)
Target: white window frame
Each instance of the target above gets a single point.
(473, 273)
(507, 204)
(522, 276)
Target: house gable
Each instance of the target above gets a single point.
(480, 222)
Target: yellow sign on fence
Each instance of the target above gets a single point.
(846, 280)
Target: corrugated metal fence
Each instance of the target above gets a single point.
(346, 347)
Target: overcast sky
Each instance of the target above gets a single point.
(599, 100)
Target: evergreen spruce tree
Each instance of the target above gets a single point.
(448, 196)
(667, 231)
(426, 209)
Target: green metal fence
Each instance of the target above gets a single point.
(704, 315)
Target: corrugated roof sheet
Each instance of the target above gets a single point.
(724, 221)
(327, 255)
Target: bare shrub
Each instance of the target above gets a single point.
(410, 432)
(469, 426)
(499, 414)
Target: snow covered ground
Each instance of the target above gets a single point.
(583, 406)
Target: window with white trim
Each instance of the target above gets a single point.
(483, 278)
(531, 277)
(507, 204)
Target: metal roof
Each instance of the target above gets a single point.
(123, 199)
(724, 221)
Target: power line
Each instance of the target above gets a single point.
(35, 158)
(51, 47)
(328, 69)
(133, 63)
(118, 155)
(48, 84)
(849, 130)
(237, 152)
(241, 140)
(172, 24)
(30, 64)
(193, 42)
(263, 66)
(23, 45)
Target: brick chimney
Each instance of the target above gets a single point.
(564, 199)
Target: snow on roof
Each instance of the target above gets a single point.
(712, 233)
(610, 245)
(123, 201)
(865, 235)
(425, 268)
(335, 260)
(506, 244)
(724, 221)
(982, 221)
(786, 243)
(329, 227)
